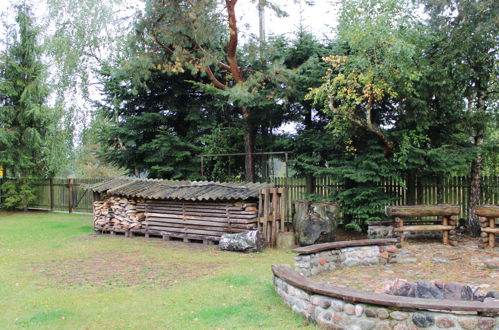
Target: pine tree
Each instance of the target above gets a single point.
(28, 128)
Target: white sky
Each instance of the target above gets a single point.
(318, 19)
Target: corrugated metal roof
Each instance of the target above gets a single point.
(179, 190)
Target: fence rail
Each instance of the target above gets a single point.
(69, 195)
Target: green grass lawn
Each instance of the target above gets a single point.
(55, 273)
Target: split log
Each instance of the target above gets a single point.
(422, 210)
(249, 241)
(315, 223)
(491, 211)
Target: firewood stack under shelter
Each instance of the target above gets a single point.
(175, 209)
(119, 214)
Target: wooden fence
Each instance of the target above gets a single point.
(63, 195)
(55, 194)
(455, 190)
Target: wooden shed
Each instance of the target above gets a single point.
(175, 209)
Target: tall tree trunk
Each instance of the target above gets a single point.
(249, 138)
(474, 190)
(309, 183)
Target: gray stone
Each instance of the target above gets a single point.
(383, 313)
(349, 309)
(423, 320)
(359, 310)
(321, 301)
(337, 305)
(486, 323)
(383, 326)
(468, 323)
(370, 312)
(452, 290)
(402, 288)
(366, 324)
(441, 260)
(445, 322)
(492, 294)
(399, 316)
(467, 293)
(428, 290)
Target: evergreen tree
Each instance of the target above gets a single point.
(29, 134)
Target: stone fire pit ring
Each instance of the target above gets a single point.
(335, 307)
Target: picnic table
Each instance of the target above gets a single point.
(446, 213)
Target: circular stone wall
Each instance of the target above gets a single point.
(334, 307)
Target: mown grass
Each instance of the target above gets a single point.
(55, 273)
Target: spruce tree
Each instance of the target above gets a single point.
(28, 128)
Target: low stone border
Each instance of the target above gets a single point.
(315, 259)
(333, 307)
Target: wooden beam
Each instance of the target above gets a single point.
(425, 228)
(422, 210)
(490, 230)
(343, 244)
(487, 211)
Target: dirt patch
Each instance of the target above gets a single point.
(426, 260)
(120, 270)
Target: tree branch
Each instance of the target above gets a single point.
(213, 79)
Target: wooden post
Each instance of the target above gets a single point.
(275, 213)
(445, 222)
(51, 194)
(284, 208)
(492, 236)
(70, 195)
(399, 222)
(266, 214)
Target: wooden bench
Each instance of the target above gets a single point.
(448, 214)
(487, 215)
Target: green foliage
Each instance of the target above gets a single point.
(362, 173)
(152, 128)
(18, 192)
(30, 139)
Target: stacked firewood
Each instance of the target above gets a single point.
(118, 214)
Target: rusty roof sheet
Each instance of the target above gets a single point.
(178, 190)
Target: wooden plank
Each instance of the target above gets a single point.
(183, 227)
(181, 235)
(201, 210)
(200, 223)
(343, 244)
(287, 274)
(186, 231)
(191, 217)
(425, 228)
(207, 221)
